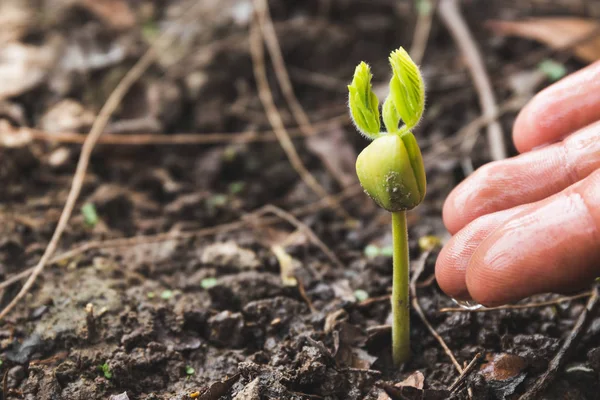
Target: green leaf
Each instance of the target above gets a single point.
(90, 216)
(552, 69)
(407, 89)
(166, 294)
(391, 118)
(236, 187)
(189, 370)
(363, 103)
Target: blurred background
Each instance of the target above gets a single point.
(227, 154)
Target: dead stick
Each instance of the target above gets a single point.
(450, 13)
(274, 117)
(520, 306)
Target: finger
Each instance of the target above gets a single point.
(524, 179)
(559, 110)
(552, 246)
(451, 264)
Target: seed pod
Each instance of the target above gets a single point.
(391, 171)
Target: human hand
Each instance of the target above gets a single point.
(531, 224)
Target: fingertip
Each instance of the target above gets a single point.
(453, 261)
(522, 127)
(550, 246)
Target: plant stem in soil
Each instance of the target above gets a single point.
(400, 304)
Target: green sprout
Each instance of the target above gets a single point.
(90, 216)
(390, 169)
(105, 369)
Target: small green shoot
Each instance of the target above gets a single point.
(552, 69)
(208, 283)
(105, 369)
(166, 294)
(391, 170)
(151, 295)
(372, 251)
(361, 295)
(236, 187)
(90, 216)
(189, 371)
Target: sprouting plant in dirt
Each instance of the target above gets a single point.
(390, 169)
(105, 369)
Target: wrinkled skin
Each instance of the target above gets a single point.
(531, 224)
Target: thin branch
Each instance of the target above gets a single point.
(422, 31)
(274, 117)
(100, 123)
(466, 371)
(450, 14)
(521, 306)
(24, 135)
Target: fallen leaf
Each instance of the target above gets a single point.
(219, 389)
(503, 366)
(23, 67)
(114, 13)
(504, 373)
(416, 380)
(67, 115)
(557, 33)
(286, 266)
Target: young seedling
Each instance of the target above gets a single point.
(390, 169)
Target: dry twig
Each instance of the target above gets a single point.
(274, 117)
(25, 135)
(466, 371)
(521, 306)
(566, 350)
(450, 13)
(422, 30)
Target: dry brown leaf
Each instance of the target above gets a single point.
(115, 13)
(416, 380)
(556, 32)
(23, 67)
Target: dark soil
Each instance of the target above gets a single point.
(209, 316)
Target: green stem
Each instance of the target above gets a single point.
(400, 304)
